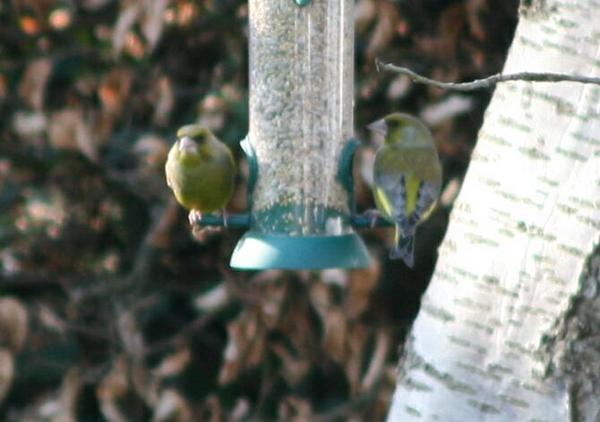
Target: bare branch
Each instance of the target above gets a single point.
(488, 82)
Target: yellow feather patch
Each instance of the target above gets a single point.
(383, 203)
(412, 186)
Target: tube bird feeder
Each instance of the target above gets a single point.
(300, 139)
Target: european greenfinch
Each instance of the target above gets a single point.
(407, 178)
(200, 171)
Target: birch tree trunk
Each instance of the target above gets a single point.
(509, 329)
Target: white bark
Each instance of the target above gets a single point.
(509, 329)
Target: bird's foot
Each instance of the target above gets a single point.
(373, 215)
(194, 217)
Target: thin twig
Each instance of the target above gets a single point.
(490, 81)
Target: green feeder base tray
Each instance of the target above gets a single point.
(257, 251)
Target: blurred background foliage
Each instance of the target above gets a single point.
(109, 308)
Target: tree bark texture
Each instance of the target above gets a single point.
(509, 328)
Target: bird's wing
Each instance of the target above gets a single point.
(390, 194)
(405, 199)
(426, 198)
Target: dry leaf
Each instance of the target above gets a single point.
(147, 179)
(60, 19)
(213, 300)
(172, 407)
(245, 346)
(152, 22)
(294, 409)
(112, 388)
(150, 15)
(385, 29)
(357, 341)
(186, 13)
(214, 410)
(68, 130)
(50, 319)
(294, 368)
(212, 112)
(7, 371)
(240, 411)
(477, 27)
(273, 298)
(362, 283)
(164, 102)
(13, 323)
(365, 12)
(3, 87)
(336, 334)
(152, 151)
(335, 276)
(174, 364)
(114, 90)
(32, 88)
(451, 25)
(320, 296)
(64, 408)
(450, 192)
(29, 126)
(145, 384)
(298, 325)
(11, 264)
(134, 45)
(383, 344)
(399, 88)
(130, 335)
(447, 109)
(127, 18)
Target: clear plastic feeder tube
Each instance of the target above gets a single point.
(301, 117)
(301, 97)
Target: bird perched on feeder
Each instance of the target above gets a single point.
(200, 171)
(407, 178)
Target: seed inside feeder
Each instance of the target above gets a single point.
(301, 83)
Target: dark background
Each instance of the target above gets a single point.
(109, 308)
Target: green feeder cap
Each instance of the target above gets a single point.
(261, 251)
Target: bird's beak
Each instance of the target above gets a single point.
(187, 144)
(379, 126)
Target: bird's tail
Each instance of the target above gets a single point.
(404, 248)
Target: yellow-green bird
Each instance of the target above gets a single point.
(200, 170)
(407, 178)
